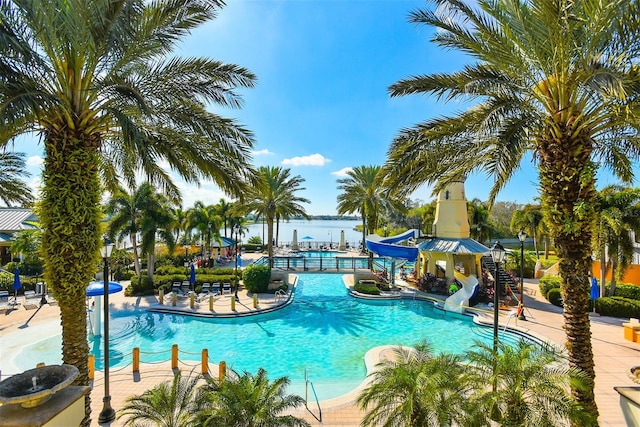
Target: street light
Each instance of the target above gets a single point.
(497, 253)
(107, 414)
(236, 230)
(522, 236)
(330, 239)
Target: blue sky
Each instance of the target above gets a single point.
(321, 104)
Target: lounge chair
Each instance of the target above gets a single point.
(206, 287)
(215, 289)
(226, 287)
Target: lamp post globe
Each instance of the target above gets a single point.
(522, 236)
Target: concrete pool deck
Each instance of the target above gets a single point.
(613, 355)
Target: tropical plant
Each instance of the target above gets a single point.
(479, 220)
(100, 82)
(12, 189)
(530, 385)
(174, 403)
(530, 219)
(617, 214)
(250, 401)
(157, 223)
(556, 77)
(416, 388)
(274, 196)
(362, 193)
(206, 220)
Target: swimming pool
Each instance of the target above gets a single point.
(324, 331)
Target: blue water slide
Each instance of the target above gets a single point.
(386, 247)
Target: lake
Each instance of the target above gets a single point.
(321, 232)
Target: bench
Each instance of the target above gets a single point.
(632, 330)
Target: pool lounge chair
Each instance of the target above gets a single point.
(226, 287)
(215, 288)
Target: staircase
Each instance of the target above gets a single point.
(487, 262)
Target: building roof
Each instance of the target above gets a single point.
(17, 219)
(455, 246)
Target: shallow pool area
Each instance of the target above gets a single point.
(324, 332)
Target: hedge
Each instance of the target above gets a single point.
(366, 289)
(554, 297)
(547, 283)
(618, 307)
(256, 278)
(626, 290)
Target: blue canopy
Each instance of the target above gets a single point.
(96, 289)
(17, 284)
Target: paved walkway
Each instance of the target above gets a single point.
(614, 356)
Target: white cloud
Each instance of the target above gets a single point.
(35, 161)
(343, 171)
(209, 194)
(311, 160)
(264, 152)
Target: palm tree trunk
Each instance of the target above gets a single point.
(136, 258)
(70, 239)
(535, 244)
(603, 270)
(270, 237)
(566, 159)
(364, 233)
(612, 287)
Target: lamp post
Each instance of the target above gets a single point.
(522, 236)
(236, 230)
(107, 414)
(497, 253)
(330, 239)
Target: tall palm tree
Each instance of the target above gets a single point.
(100, 82)
(532, 386)
(206, 220)
(180, 224)
(173, 403)
(558, 78)
(157, 223)
(479, 220)
(416, 388)
(12, 189)
(250, 401)
(530, 219)
(362, 193)
(617, 209)
(225, 212)
(274, 194)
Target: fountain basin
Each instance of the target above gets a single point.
(19, 389)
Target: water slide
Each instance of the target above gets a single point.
(460, 300)
(386, 247)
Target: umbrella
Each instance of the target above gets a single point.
(294, 243)
(239, 259)
(308, 238)
(96, 289)
(17, 284)
(192, 275)
(595, 291)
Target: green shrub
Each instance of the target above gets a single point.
(256, 278)
(554, 297)
(628, 290)
(366, 289)
(618, 307)
(140, 285)
(547, 283)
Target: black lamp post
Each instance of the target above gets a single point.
(107, 414)
(236, 230)
(522, 236)
(330, 239)
(497, 253)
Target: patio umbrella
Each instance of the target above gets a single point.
(342, 245)
(96, 289)
(17, 284)
(294, 242)
(595, 292)
(308, 238)
(192, 275)
(239, 258)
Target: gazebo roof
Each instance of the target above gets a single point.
(454, 246)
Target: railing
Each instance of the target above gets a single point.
(306, 397)
(299, 263)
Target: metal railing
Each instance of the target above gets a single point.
(308, 383)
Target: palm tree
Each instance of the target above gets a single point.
(530, 219)
(275, 194)
(101, 83)
(127, 212)
(173, 403)
(556, 77)
(206, 220)
(416, 388)
(617, 214)
(532, 386)
(479, 220)
(180, 224)
(12, 189)
(362, 193)
(250, 401)
(225, 212)
(157, 222)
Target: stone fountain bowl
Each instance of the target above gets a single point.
(47, 379)
(634, 374)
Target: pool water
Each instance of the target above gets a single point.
(324, 332)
